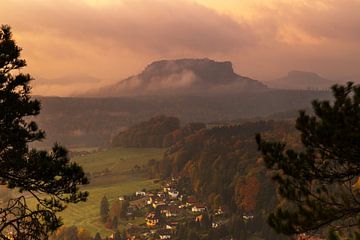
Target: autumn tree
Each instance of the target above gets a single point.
(246, 194)
(124, 206)
(83, 234)
(319, 183)
(48, 176)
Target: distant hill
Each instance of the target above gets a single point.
(93, 121)
(149, 133)
(301, 80)
(158, 132)
(183, 76)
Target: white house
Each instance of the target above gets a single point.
(248, 217)
(140, 194)
(198, 207)
(173, 194)
(164, 234)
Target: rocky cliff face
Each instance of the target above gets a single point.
(184, 76)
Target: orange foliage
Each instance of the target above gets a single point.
(246, 193)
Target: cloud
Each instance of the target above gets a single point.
(157, 26)
(320, 36)
(331, 19)
(118, 38)
(68, 78)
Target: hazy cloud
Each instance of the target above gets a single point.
(263, 38)
(156, 26)
(73, 78)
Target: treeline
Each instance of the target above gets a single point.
(159, 132)
(222, 168)
(222, 162)
(92, 121)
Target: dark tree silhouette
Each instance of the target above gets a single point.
(104, 209)
(319, 184)
(97, 236)
(117, 235)
(49, 177)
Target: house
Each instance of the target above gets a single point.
(217, 224)
(151, 199)
(149, 194)
(221, 210)
(167, 189)
(172, 226)
(157, 204)
(165, 234)
(199, 218)
(161, 195)
(181, 197)
(190, 201)
(151, 219)
(182, 206)
(198, 207)
(173, 194)
(171, 211)
(140, 194)
(248, 217)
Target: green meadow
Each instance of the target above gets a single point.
(118, 180)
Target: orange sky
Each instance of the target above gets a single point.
(72, 45)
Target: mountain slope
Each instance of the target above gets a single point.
(184, 76)
(301, 80)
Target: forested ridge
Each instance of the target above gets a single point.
(221, 166)
(93, 121)
(159, 132)
(219, 161)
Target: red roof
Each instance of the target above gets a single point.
(199, 205)
(191, 200)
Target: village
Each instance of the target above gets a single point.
(165, 210)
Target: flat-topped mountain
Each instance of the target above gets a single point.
(301, 80)
(183, 76)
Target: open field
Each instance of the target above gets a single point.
(119, 181)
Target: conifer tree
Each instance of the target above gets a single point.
(48, 176)
(104, 209)
(123, 234)
(319, 184)
(97, 236)
(117, 235)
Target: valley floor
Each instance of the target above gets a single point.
(112, 175)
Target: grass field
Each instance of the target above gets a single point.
(119, 182)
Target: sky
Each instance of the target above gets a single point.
(74, 45)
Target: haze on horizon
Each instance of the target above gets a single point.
(74, 45)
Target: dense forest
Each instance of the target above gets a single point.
(222, 168)
(93, 121)
(158, 132)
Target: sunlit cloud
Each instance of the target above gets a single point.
(112, 39)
